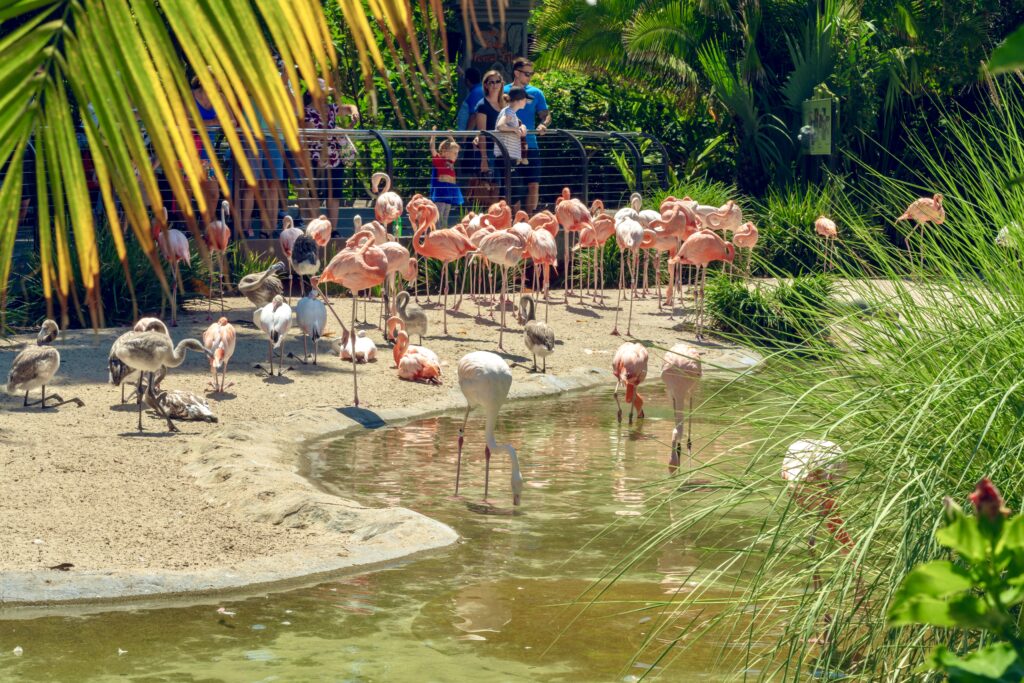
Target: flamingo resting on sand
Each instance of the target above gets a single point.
(217, 236)
(414, 363)
(485, 380)
(681, 373)
(35, 366)
(629, 365)
(357, 348)
(826, 227)
(700, 249)
(219, 341)
(924, 210)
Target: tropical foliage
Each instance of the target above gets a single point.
(751, 65)
(923, 395)
(118, 70)
(979, 592)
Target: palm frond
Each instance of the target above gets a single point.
(114, 71)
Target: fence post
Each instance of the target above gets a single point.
(638, 180)
(584, 164)
(389, 160)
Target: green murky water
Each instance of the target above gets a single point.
(492, 607)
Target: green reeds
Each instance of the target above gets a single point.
(920, 380)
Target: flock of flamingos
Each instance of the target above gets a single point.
(689, 234)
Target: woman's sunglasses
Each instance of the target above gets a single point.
(492, 82)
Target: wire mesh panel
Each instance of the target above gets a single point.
(331, 176)
(656, 174)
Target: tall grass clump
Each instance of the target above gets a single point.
(785, 217)
(784, 315)
(922, 388)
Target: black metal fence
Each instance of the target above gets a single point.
(336, 180)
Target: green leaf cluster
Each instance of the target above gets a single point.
(980, 592)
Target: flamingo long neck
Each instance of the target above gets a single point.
(401, 302)
(517, 477)
(180, 351)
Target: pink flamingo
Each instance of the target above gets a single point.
(572, 215)
(826, 227)
(320, 230)
(725, 218)
(681, 372)
(286, 239)
(659, 242)
(219, 341)
(485, 380)
(414, 363)
(217, 236)
(745, 237)
(545, 220)
(628, 234)
(498, 216)
(505, 249)
(355, 269)
(388, 206)
(700, 249)
(629, 365)
(174, 247)
(924, 210)
(399, 261)
(543, 251)
(446, 245)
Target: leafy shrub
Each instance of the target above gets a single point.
(788, 314)
(785, 220)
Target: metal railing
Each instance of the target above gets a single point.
(609, 165)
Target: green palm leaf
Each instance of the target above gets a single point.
(116, 71)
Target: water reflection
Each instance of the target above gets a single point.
(497, 605)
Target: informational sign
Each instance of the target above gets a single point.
(817, 118)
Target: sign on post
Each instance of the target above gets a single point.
(817, 120)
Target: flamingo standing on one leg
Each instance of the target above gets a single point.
(826, 227)
(217, 236)
(745, 237)
(219, 341)
(681, 372)
(485, 380)
(543, 250)
(414, 363)
(174, 247)
(700, 249)
(629, 365)
(356, 268)
(924, 210)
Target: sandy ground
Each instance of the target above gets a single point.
(81, 486)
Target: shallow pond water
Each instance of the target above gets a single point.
(496, 606)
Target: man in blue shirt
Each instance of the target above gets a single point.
(473, 97)
(535, 116)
